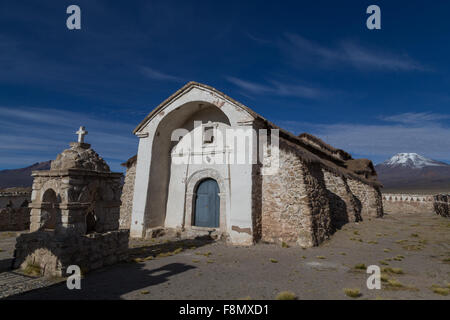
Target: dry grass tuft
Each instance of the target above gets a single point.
(286, 295)
(413, 247)
(395, 283)
(390, 270)
(360, 266)
(352, 293)
(32, 270)
(206, 254)
(440, 290)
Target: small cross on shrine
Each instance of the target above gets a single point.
(81, 133)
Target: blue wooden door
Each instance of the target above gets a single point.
(207, 204)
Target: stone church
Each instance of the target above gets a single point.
(187, 178)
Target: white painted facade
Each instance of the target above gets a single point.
(168, 172)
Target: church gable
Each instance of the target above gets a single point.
(194, 92)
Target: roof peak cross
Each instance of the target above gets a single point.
(81, 133)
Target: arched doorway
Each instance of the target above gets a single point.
(162, 169)
(207, 204)
(50, 213)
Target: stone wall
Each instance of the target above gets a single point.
(318, 203)
(53, 254)
(14, 211)
(257, 181)
(14, 219)
(367, 197)
(442, 205)
(14, 199)
(344, 206)
(294, 203)
(76, 193)
(127, 197)
(408, 203)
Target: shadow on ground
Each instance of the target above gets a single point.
(114, 281)
(6, 264)
(110, 283)
(144, 249)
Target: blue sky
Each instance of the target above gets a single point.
(309, 66)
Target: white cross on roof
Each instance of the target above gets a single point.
(81, 133)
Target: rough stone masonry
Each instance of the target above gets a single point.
(14, 211)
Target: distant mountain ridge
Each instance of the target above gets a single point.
(413, 171)
(21, 177)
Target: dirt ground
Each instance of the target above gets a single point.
(413, 250)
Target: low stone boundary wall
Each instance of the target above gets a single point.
(14, 211)
(14, 199)
(441, 205)
(14, 219)
(52, 254)
(409, 203)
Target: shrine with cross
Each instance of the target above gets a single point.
(76, 205)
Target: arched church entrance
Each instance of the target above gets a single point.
(207, 204)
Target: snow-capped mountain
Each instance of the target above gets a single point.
(412, 160)
(413, 171)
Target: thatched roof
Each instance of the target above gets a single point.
(130, 161)
(316, 143)
(363, 167)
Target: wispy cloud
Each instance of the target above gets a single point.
(39, 134)
(156, 75)
(301, 50)
(278, 89)
(380, 141)
(416, 117)
(257, 39)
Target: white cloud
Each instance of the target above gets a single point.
(279, 89)
(301, 51)
(157, 75)
(415, 117)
